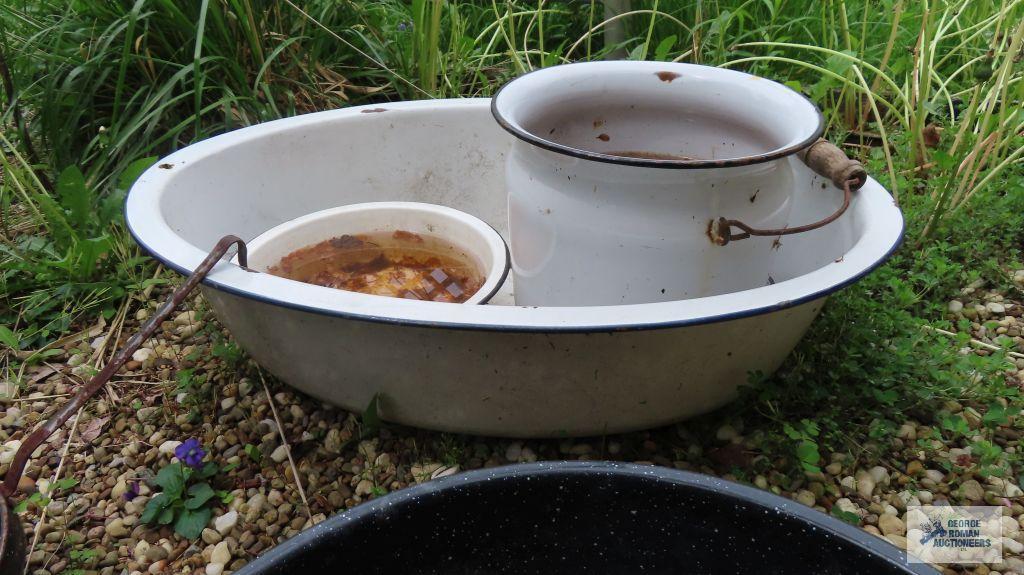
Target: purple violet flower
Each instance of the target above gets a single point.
(132, 492)
(190, 453)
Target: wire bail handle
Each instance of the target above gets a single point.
(823, 158)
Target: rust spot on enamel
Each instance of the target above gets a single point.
(603, 137)
(666, 76)
(598, 123)
(373, 110)
(165, 166)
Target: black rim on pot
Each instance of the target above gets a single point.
(453, 508)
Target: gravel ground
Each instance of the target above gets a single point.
(127, 434)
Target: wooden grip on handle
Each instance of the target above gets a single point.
(827, 160)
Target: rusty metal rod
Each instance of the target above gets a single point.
(721, 230)
(40, 434)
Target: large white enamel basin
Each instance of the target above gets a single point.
(495, 369)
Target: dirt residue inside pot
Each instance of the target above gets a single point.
(393, 264)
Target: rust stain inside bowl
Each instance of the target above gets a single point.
(645, 155)
(393, 264)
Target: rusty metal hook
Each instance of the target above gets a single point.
(825, 159)
(12, 538)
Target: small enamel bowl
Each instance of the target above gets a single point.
(469, 234)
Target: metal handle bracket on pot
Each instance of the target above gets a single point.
(12, 538)
(824, 159)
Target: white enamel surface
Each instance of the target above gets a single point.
(469, 235)
(591, 233)
(586, 232)
(499, 369)
(450, 153)
(698, 111)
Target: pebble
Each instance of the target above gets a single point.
(7, 453)
(225, 523)
(848, 506)
(214, 569)
(185, 318)
(168, 447)
(280, 453)
(140, 550)
(156, 553)
(971, 490)
(364, 487)
(880, 475)
(210, 536)
(806, 497)
(333, 442)
(514, 451)
(1012, 546)
(865, 484)
(956, 306)
(1010, 526)
(221, 553)
(915, 468)
(848, 484)
(996, 307)
(147, 413)
(726, 433)
(275, 498)
(898, 540)
(26, 484)
(116, 528)
(143, 354)
(891, 525)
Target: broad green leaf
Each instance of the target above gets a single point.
(807, 451)
(74, 197)
(192, 521)
(132, 171)
(8, 337)
(57, 224)
(154, 507)
(995, 416)
(209, 470)
(198, 495)
(664, 47)
(171, 479)
(166, 516)
(66, 483)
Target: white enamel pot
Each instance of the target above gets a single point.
(496, 369)
(620, 167)
(467, 235)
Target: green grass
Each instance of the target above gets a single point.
(927, 93)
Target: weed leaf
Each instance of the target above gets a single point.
(154, 507)
(171, 479)
(199, 494)
(8, 337)
(74, 196)
(192, 521)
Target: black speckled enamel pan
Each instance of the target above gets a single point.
(582, 517)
